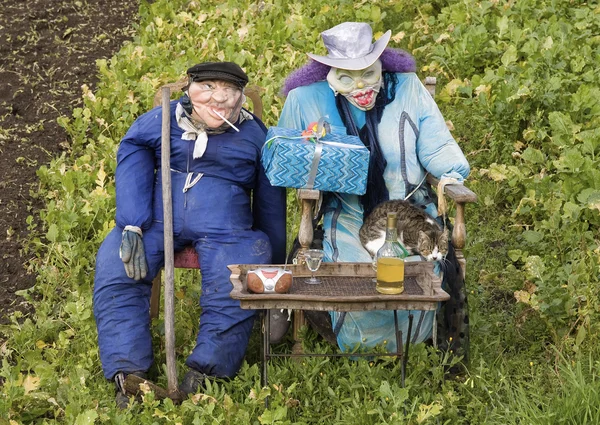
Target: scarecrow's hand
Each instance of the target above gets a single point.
(132, 253)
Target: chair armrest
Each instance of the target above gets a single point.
(459, 193)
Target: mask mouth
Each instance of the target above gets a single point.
(226, 120)
(363, 97)
(219, 112)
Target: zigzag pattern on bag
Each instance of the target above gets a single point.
(288, 162)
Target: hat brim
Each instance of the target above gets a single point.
(354, 64)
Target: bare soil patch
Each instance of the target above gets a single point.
(48, 50)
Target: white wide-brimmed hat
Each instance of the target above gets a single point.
(349, 46)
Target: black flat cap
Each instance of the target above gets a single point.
(225, 71)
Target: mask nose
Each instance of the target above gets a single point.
(360, 84)
(220, 95)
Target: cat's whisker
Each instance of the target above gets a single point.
(445, 264)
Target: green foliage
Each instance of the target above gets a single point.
(542, 108)
(577, 402)
(518, 82)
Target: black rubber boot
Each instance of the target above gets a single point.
(192, 381)
(278, 325)
(320, 321)
(121, 398)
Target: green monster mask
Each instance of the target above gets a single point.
(359, 87)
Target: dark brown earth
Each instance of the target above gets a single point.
(48, 50)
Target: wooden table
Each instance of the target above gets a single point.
(345, 287)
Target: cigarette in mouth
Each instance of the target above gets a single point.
(226, 120)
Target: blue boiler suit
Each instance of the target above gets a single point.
(414, 139)
(223, 205)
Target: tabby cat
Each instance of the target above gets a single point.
(417, 231)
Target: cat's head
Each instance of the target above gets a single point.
(433, 246)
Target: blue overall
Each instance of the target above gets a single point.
(223, 205)
(414, 140)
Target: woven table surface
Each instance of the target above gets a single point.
(337, 286)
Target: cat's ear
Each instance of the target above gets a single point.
(423, 238)
(443, 239)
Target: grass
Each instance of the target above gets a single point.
(530, 363)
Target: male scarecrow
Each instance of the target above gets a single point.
(223, 205)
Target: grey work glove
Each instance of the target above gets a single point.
(132, 253)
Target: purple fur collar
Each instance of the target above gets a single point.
(392, 60)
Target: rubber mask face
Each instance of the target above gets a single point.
(359, 87)
(211, 98)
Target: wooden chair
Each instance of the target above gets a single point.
(458, 193)
(188, 258)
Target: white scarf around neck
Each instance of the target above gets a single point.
(191, 132)
(200, 134)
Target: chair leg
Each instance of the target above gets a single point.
(462, 262)
(155, 297)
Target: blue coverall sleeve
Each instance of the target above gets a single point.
(437, 150)
(136, 165)
(269, 213)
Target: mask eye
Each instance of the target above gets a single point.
(346, 80)
(206, 87)
(231, 91)
(368, 74)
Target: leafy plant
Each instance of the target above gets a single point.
(517, 82)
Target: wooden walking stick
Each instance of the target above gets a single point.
(135, 385)
(169, 255)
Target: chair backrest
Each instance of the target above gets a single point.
(430, 83)
(251, 92)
